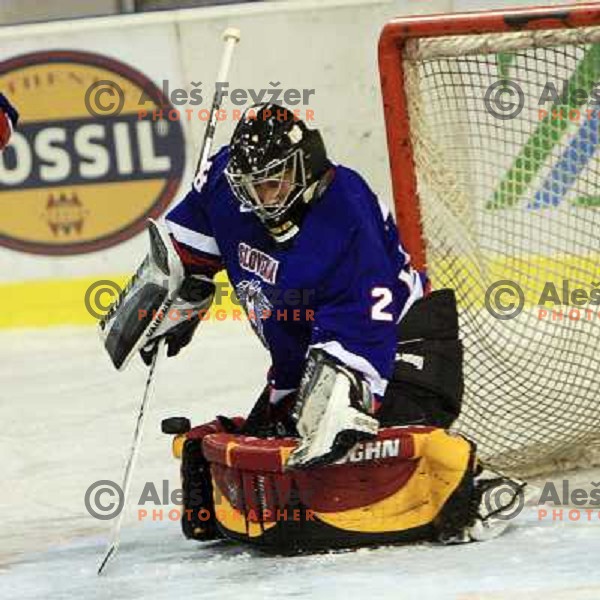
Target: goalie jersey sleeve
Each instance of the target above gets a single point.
(191, 230)
(346, 264)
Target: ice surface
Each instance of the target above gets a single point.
(67, 420)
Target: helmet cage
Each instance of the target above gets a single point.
(290, 168)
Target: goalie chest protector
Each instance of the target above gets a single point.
(408, 484)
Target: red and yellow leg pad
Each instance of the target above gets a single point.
(409, 483)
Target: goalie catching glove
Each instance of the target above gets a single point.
(331, 412)
(144, 311)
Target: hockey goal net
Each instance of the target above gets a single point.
(493, 140)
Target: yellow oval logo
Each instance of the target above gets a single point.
(83, 171)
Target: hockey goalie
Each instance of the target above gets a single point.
(348, 443)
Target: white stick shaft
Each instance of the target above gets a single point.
(230, 42)
(136, 444)
(232, 37)
(131, 461)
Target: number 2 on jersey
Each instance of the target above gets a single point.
(383, 298)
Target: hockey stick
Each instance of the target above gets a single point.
(231, 37)
(113, 543)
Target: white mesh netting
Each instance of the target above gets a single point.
(515, 199)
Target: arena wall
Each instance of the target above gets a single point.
(182, 47)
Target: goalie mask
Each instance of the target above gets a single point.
(275, 166)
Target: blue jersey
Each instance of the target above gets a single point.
(342, 285)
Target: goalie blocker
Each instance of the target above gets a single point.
(335, 408)
(137, 320)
